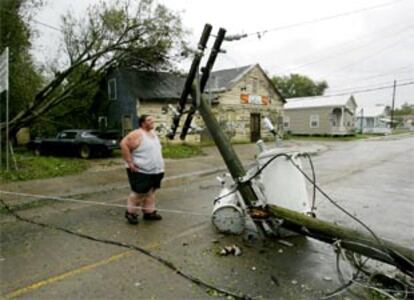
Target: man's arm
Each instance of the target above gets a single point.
(128, 144)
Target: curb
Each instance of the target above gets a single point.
(170, 181)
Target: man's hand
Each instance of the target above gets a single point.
(133, 167)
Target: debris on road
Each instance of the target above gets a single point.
(233, 249)
(285, 243)
(275, 280)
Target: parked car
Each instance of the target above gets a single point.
(85, 143)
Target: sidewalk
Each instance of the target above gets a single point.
(178, 171)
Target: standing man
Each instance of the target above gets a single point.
(141, 151)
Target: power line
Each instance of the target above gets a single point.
(367, 57)
(259, 34)
(33, 20)
(369, 43)
(368, 90)
(389, 73)
(46, 25)
(366, 86)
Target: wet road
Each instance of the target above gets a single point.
(373, 179)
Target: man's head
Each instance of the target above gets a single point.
(146, 122)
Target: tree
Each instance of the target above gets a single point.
(15, 33)
(296, 85)
(111, 35)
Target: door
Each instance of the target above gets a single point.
(255, 126)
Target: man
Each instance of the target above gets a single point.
(141, 151)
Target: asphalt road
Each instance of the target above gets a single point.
(373, 179)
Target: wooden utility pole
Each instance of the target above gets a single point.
(393, 103)
(353, 240)
(349, 239)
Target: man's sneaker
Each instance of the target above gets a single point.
(131, 218)
(152, 216)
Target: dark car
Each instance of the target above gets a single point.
(83, 142)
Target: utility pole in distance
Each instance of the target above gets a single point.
(393, 102)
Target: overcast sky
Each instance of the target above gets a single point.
(357, 51)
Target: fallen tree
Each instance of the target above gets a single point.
(144, 36)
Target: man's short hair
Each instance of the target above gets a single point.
(142, 119)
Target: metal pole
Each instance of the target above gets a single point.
(7, 111)
(362, 120)
(393, 102)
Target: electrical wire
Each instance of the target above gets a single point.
(401, 262)
(344, 90)
(367, 90)
(259, 34)
(142, 250)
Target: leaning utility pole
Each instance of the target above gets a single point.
(368, 245)
(393, 102)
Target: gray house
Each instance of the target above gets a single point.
(128, 90)
(321, 115)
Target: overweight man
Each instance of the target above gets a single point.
(141, 151)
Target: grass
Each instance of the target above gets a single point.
(37, 167)
(177, 151)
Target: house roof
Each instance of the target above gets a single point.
(223, 79)
(149, 85)
(317, 101)
(373, 111)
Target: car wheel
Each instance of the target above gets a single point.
(37, 151)
(85, 151)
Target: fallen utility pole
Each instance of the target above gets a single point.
(349, 239)
(353, 240)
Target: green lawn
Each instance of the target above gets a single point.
(176, 151)
(36, 167)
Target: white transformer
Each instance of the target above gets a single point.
(279, 183)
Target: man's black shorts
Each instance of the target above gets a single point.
(141, 183)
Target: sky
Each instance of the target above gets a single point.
(357, 51)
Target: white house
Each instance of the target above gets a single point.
(374, 119)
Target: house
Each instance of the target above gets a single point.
(240, 98)
(320, 115)
(374, 119)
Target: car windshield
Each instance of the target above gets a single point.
(99, 134)
(89, 134)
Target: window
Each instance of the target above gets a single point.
(286, 122)
(68, 135)
(112, 92)
(314, 121)
(103, 122)
(254, 86)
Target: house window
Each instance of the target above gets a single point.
(254, 86)
(103, 122)
(112, 90)
(314, 121)
(286, 122)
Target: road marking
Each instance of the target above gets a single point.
(65, 275)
